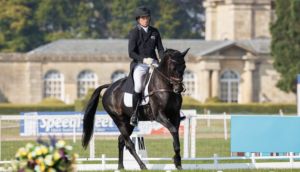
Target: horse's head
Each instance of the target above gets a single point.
(173, 66)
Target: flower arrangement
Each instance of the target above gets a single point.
(55, 156)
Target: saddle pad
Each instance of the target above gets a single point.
(128, 97)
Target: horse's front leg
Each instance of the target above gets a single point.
(121, 144)
(176, 143)
(126, 130)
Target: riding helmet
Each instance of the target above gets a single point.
(142, 11)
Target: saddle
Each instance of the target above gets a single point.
(145, 92)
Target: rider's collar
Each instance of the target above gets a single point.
(145, 28)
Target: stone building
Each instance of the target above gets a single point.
(233, 63)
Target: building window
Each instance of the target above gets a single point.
(229, 86)
(117, 75)
(86, 80)
(53, 85)
(190, 83)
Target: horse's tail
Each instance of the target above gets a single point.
(89, 115)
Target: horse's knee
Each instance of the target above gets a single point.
(121, 139)
(121, 142)
(129, 145)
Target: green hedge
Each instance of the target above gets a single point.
(17, 108)
(80, 105)
(253, 108)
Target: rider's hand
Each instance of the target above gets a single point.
(148, 61)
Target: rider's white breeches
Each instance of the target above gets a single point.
(139, 74)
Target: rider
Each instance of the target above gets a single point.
(143, 40)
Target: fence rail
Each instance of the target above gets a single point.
(195, 126)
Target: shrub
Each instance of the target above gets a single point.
(80, 104)
(213, 100)
(51, 101)
(17, 108)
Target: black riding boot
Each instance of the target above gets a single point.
(136, 98)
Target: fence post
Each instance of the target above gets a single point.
(74, 131)
(193, 135)
(208, 119)
(215, 159)
(280, 112)
(225, 126)
(253, 160)
(0, 137)
(92, 147)
(291, 156)
(186, 140)
(103, 161)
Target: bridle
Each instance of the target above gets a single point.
(173, 81)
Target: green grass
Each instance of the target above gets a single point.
(209, 141)
(155, 147)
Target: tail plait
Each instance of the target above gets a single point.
(89, 116)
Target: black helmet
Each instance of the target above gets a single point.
(142, 11)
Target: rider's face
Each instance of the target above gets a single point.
(144, 21)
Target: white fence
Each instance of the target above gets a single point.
(196, 128)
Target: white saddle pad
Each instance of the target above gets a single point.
(128, 97)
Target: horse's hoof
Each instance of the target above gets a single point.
(121, 167)
(179, 167)
(143, 167)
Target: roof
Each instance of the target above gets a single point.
(117, 48)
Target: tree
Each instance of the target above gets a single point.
(122, 21)
(175, 19)
(18, 31)
(285, 44)
(27, 24)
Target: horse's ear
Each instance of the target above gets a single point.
(184, 53)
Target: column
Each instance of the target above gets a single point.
(215, 83)
(248, 82)
(206, 85)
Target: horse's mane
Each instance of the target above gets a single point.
(168, 53)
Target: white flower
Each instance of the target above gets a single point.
(60, 144)
(49, 160)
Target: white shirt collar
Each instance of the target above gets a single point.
(145, 28)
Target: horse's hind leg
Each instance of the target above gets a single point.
(126, 131)
(121, 144)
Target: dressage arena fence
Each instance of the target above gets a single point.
(205, 142)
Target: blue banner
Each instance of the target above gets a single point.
(265, 134)
(47, 123)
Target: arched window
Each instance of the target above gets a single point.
(53, 84)
(86, 80)
(229, 86)
(189, 81)
(117, 75)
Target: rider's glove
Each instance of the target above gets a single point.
(148, 61)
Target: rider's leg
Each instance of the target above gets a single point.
(138, 76)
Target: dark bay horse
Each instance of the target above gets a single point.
(165, 102)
